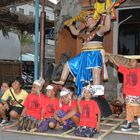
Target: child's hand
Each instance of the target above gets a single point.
(63, 121)
(97, 130)
(39, 122)
(6, 106)
(58, 119)
(79, 99)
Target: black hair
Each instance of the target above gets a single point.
(7, 82)
(20, 80)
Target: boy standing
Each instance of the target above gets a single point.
(131, 90)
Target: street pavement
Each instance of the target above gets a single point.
(15, 136)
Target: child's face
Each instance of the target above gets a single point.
(35, 89)
(50, 93)
(4, 87)
(133, 63)
(87, 94)
(65, 99)
(16, 85)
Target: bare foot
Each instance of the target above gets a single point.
(57, 126)
(5, 127)
(33, 130)
(59, 82)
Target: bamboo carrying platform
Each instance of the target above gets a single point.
(109, 126)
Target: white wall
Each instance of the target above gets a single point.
(30, 8)
(9, 47)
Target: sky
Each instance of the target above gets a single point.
(54, 1)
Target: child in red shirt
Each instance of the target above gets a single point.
(67, 114)
(89, 114)
(131, 90)
(32, 111)
(50, 105)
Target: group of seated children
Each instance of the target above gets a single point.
(46, 111)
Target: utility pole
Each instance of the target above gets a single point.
(36, 40)
(42, 40)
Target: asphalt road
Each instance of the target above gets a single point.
(15, 136)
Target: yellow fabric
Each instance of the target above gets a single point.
(100, 8)
(91, 47)
(80, 17)
(19, 97)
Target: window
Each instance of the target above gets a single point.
(31, 13)
(21, 11)
(13, 9)
(49, 33)
(129, 32)
(47, 17)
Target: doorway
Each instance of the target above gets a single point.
(129, 31)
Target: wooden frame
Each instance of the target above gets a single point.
(111, 124)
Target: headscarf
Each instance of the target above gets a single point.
(64, 92)
(40, 82)
(54, 87)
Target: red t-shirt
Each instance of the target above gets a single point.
(67, 108)
(33, 105)
(50, 106)
(88, 117)
(131, 80)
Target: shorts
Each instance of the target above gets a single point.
(15, 108)
(132, 111)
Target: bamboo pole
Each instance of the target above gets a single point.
(122, 132)
(104, 122)
(110, 130)
(107, 124)
(111, 124)
(132, 56)
(51, 135)
(69, 131)
(113, 119)
(127, 133)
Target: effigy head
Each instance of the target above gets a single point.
(94, 90)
